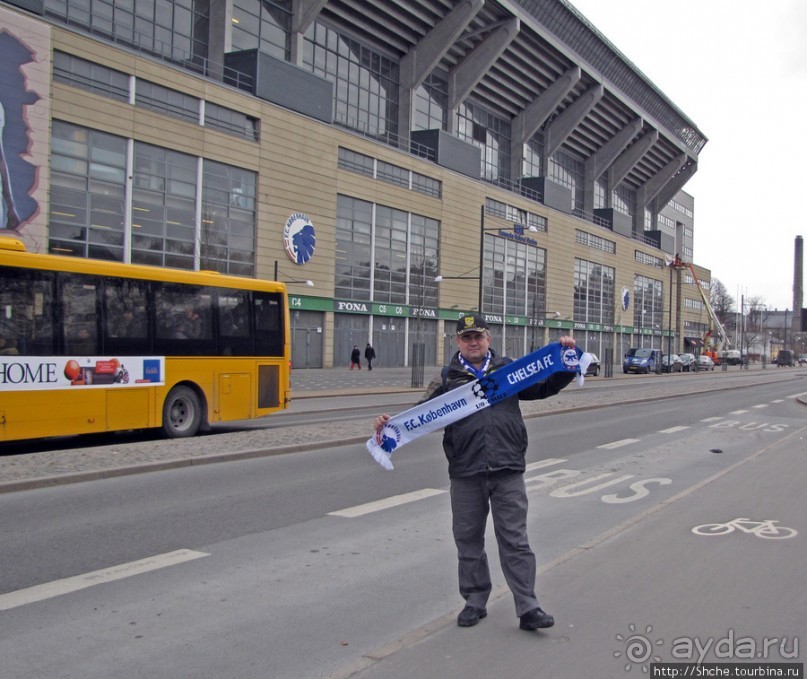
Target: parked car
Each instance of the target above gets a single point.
(594, 367)
(731, 356)
(802, 359)
(713, 355)
(785, 357)
(687, 362)
(705, 362)
(671, 363)
(641, 360)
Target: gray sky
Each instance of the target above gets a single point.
(738, 70)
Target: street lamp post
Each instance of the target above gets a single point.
(481, 278)
(669, 320)
(482, 231)
(481, 259)
(291, 279)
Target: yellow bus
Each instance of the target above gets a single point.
(93, 346)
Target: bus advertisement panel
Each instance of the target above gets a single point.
(58, 372)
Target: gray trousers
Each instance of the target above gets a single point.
(506, 497)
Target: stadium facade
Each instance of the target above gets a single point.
(397, 162)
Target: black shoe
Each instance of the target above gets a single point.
(536, 619)
(470, 615)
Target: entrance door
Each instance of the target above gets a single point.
(306, 339)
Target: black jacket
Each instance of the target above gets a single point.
(493, 439)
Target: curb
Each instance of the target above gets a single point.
(98, 474)
(179, 463)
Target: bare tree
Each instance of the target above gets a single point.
(722, 302)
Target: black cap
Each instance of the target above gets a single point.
(472, 323)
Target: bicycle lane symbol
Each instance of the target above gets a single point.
(761, 529)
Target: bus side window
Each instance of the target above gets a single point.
(233, 314)
(268, 325)
(189, 324)
(80, 314)
(26, 312)
(125, 309)
(234, 336)
(184, 320)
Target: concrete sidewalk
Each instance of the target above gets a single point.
(311, 382)
(147, 452)
(338, 381)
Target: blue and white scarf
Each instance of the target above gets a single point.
(463, 401)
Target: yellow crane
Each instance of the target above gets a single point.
(715, 337)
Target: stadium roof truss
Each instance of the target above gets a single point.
(542, 65)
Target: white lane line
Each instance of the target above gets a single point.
(778, 400)
(618, 444)
(760, 405)
(712, 419)
(738, 412)
(49, 590)
(673, 430)
(386, 503)
(804, 393)
(543, 463)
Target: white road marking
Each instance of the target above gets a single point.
(673, 430)
(738, 412)
(804, 393)
(760, 405)
(56, 588)
(386, 503)
(778, 400)
(712, 419)
(543, 463)
(618, 444)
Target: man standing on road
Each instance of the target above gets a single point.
(486, 464)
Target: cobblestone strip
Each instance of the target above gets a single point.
(30, 470)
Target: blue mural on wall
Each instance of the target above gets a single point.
(17, 176)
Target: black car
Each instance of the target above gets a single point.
(594, 367)
(671, 363)
(785, 357)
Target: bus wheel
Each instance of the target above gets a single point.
(182, 413)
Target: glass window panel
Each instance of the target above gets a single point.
(71, 207)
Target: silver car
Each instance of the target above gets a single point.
(705, 363)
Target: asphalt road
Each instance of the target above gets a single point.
(321, 564)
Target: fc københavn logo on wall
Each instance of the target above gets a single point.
(299, 238)
(625, 298)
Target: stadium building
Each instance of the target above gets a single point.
(398, 163)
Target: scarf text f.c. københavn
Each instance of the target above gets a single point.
(464, 401)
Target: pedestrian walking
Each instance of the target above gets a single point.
(369, 355)
(486, 464)
(355, 357)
